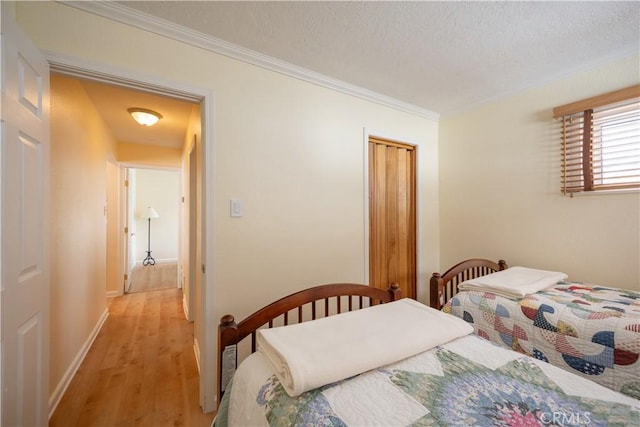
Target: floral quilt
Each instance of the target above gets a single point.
(469, 381)
(593, 331)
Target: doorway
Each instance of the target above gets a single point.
(204, 345)
(392, 215)
(152, 218)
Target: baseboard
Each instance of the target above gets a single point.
(54, 399)
(113, 294)
(185, 307)
(159, 261)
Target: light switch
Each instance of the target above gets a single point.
(237, 209)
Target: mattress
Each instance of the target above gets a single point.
(592, 331)
(468, 381)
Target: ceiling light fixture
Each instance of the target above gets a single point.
(145, 117)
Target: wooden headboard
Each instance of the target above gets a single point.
(334, 299)
(442, 287)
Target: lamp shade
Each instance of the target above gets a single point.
(145, 117)
(151, 213)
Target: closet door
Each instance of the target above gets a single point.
(392, 215)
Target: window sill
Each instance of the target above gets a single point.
(604, 192)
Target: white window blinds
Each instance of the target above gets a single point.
(601, 142)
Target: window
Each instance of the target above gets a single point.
(601, 142)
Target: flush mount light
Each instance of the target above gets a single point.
(145, 117)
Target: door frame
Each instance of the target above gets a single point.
(192, 229)
(126, 222)
(368, 132)
(125, 219)
(205, 342)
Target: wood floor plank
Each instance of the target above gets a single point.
(140, 370)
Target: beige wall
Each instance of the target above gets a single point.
(291, 150)
(500, 188)
(79, 150)
(115, 279)
(140, 154)
(160, 189)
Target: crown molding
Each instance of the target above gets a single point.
(618, 55)
(152, 24)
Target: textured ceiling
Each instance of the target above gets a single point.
(441, 56)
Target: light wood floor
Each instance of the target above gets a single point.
(162, 275)
(141, 369)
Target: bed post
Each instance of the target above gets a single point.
(227, 335)
(502, 265)
(436, 286)
(394, 290)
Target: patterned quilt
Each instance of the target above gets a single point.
(593, 331)
(469, 381)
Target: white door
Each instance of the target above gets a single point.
(25, 229)
(130, 197)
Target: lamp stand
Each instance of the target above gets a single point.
(149, 259)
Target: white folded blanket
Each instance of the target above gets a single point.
(514, 282)
(311, 354)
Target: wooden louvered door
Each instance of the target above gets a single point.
(392, 215)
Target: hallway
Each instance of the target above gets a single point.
(141, 369)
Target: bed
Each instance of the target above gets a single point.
(461, 381)
(592, 331)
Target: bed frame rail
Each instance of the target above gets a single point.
(444, 287)
(341, 297)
